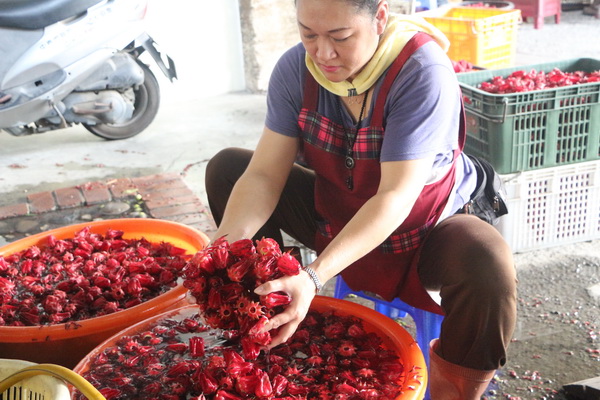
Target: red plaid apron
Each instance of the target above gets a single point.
(390, 269)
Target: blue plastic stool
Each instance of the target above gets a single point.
(428, 324)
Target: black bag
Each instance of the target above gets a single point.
(488, 200)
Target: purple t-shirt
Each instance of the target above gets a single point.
(422, 111)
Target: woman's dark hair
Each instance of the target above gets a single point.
(370, 6)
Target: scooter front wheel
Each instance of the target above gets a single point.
(147, 100)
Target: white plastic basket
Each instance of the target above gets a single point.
(24, 380)
(39, 387)
(552, 206)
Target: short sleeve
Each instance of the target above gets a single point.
(284, 93)
(422, 112)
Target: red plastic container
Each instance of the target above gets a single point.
(392, 334)
(66, 344)
(538, 10)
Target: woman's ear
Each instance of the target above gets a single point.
(381, 18)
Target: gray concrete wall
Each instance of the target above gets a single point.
(268, 30)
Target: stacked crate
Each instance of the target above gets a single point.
(546, 146)
(483, 36)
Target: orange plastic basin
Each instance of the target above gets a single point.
(66, 344)
(392, 334)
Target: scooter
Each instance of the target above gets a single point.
(67, 62)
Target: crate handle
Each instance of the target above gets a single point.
(495, 120)
(57, 371)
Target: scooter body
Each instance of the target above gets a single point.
(76, 61)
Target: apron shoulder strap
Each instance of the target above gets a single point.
(411, 46)
(311, 92)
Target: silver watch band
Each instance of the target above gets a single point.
(313, 276)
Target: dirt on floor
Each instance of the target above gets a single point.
(556, 341)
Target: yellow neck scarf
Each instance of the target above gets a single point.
(399, 30)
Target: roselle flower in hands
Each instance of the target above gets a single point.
(223, 277)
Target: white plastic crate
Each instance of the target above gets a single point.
(552, 206)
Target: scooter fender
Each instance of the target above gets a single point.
(31, 110)
(148, 44)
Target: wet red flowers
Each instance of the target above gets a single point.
(522, 81)
(163, 362)
(87, 276)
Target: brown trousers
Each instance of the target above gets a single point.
(464, 258)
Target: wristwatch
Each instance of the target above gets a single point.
(313, 276)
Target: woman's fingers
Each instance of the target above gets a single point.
(286, 332)
(284, 318)
(275, 322)
(301, 289)
(282, 327)
(270, 287)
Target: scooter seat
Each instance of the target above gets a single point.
(38, 14)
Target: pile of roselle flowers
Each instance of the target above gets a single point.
(330, 357)
(522, 81)
(90, 275)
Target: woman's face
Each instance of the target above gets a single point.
(339, 38)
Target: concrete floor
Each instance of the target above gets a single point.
(186, 134)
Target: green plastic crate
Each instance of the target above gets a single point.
(537, 129)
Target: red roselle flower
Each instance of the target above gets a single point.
(265, 269)
(246, 384)
(279, 384)
(275, 299)
(288, 264)
(225, 395)
(262, 321)
(196, 346)
(237, 271)
(208, 384)
(264, 389)
(243, 248)
(268, 247)
(250, 348)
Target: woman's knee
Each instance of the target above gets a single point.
(466, 250)
(226, 166)
(487, 261)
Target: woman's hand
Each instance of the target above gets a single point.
(302, 291)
